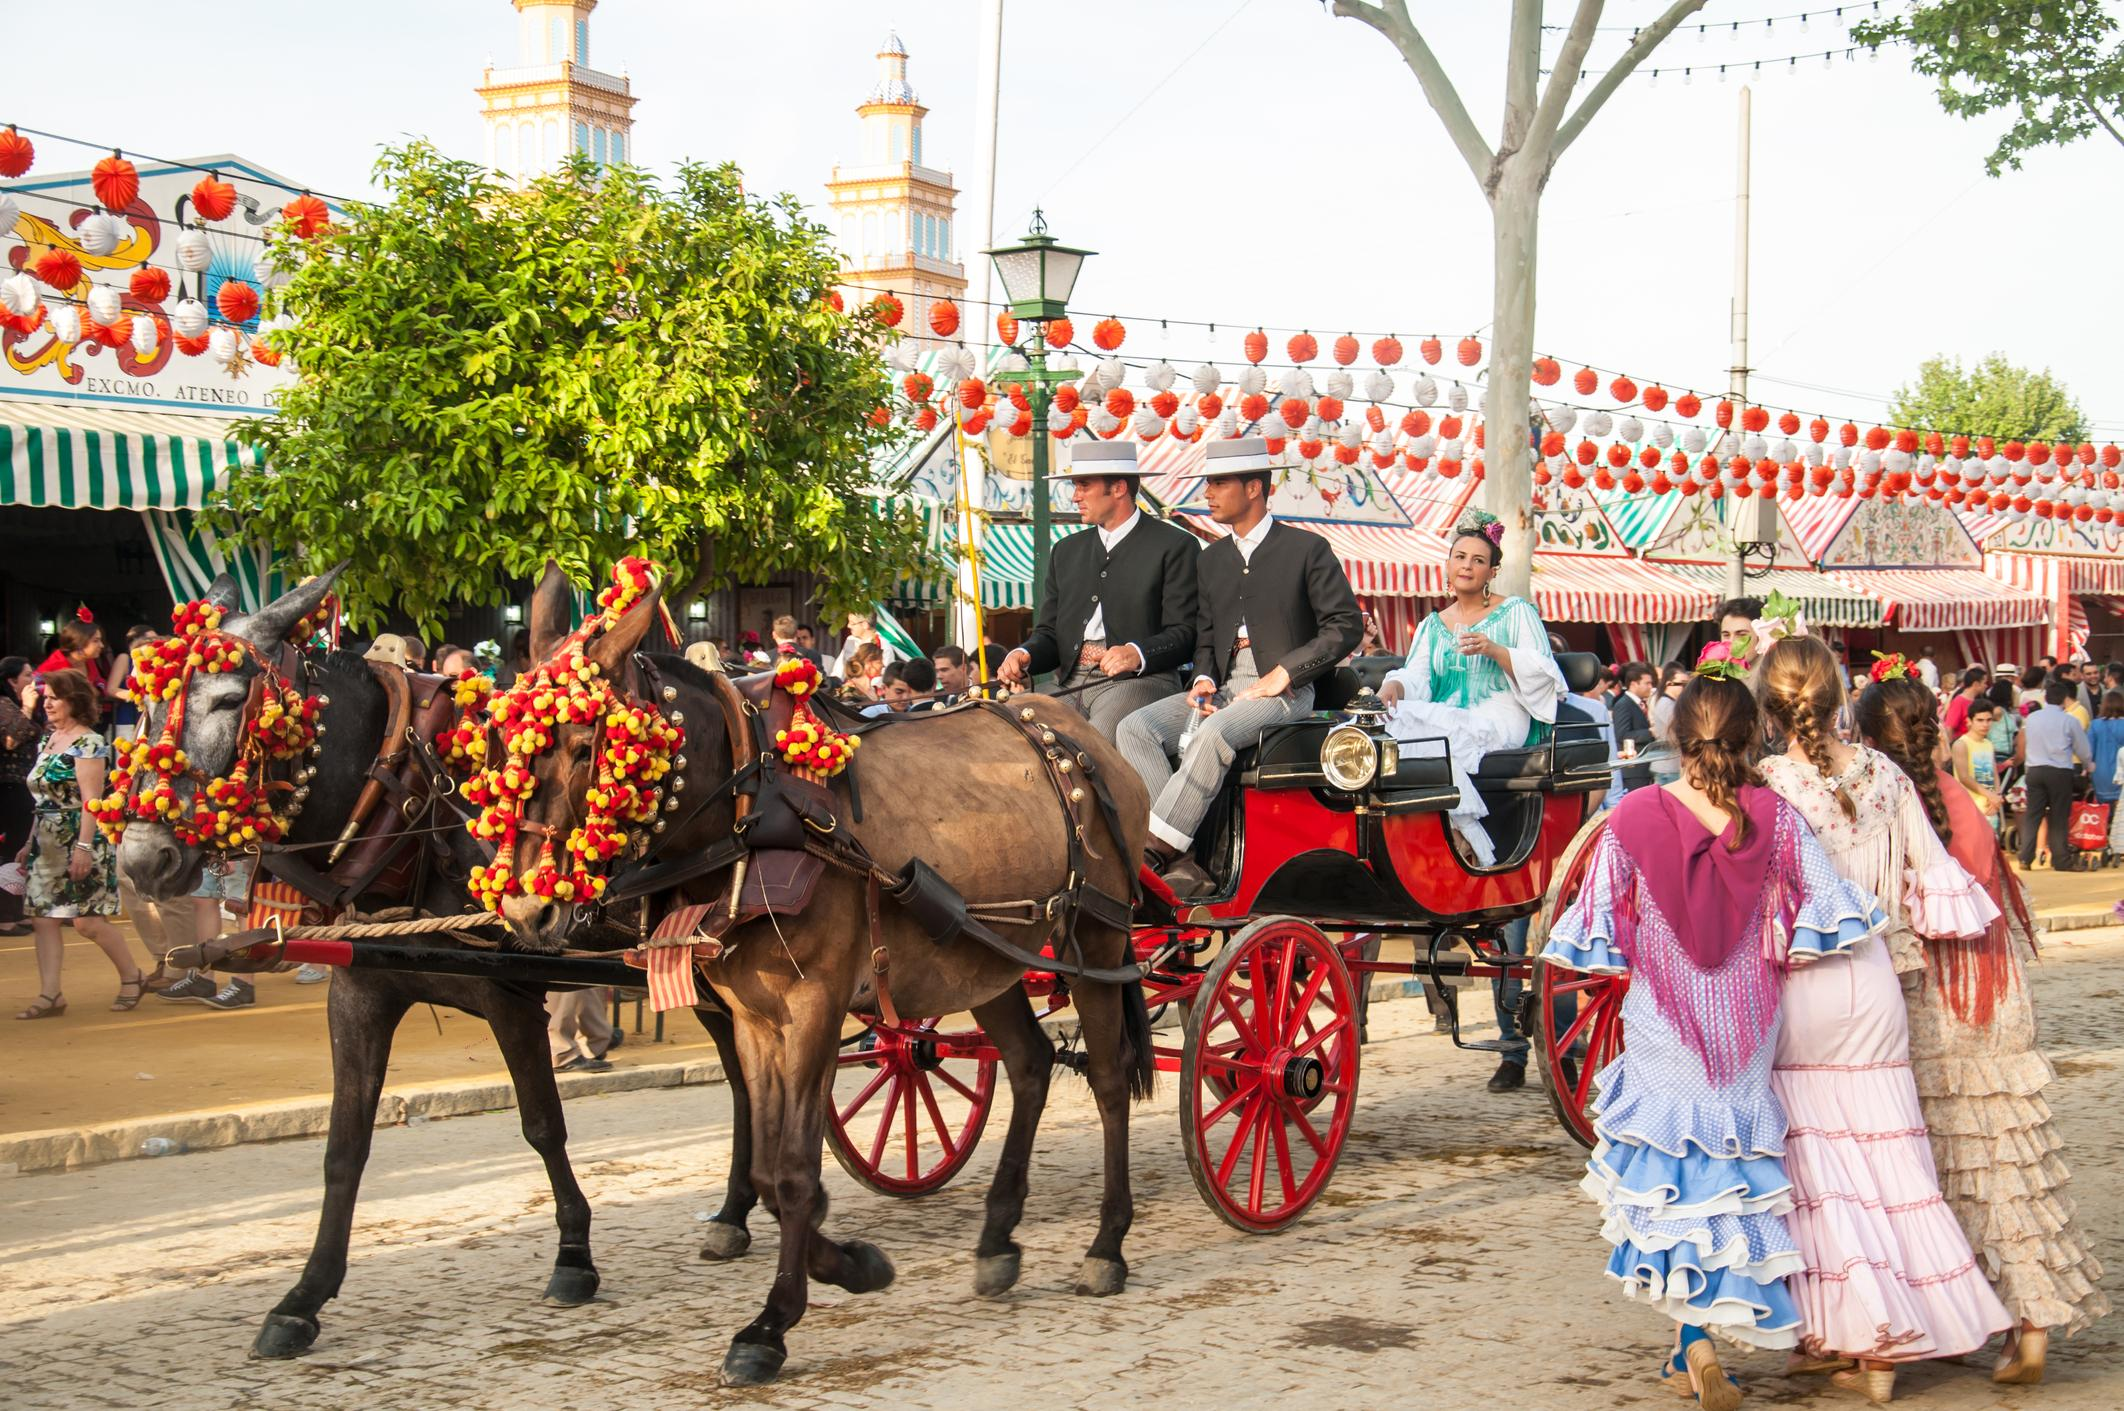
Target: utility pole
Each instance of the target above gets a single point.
(980, 323)
(1736, 573)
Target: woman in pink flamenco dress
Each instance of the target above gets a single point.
(1889, 1276)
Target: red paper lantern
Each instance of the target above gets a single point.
(2013, 450)
(1253, 406)
(1310, 450)
(2038, 453)
(2085, 454)
(1848, 434)
(973, 393)
(833, 300)
(1789, 424)
(880, 417)
(1546, 372)
(1386, 351)
(2111, 456)
(1330, 408)
(1604, 479)
(1293, 411)
(1303, 347)
(150, 285)
(1108, 334)
(1649, 457)
(1754, 419)
(1375, 418)
(1723, 414)
(16, 153)
(1818, 430)
(888, 310)
(943, 318)
(1165, 403)
(116, 182)
(1622, 389)
(1007, 327)
(1655, 398)
(977, 423)
(1415, 422)
(1469, 351)
(917, 386)
(58, 268)
(1688, 404)
(1585, 380)
(926, 419)
(1660, 484)
(1449, 428)
(1587, 453)
(1067, 397)
(1432, 350)
(1256, 346)
(1209, 404)
(1120, 402)
(1345, 350)
(213, 198)
(1448, 469)
(1060, 333)
(1876, 438)
(307, 216)
(237, 301)
(1935, 444)
(1347, 455)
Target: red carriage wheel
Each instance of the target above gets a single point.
(1577, 1023)
(909, 1105)
(1268, 1074)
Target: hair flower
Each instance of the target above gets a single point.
(1720, 662)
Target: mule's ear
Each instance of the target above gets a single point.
(611, 648)
(549, 611)
(222, 593)
(270, 625)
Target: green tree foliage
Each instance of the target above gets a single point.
(585, 368)
(1994, 398)
(2055, 66)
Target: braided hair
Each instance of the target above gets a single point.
(1715, 727)
(1802, 687)
(1896, 717)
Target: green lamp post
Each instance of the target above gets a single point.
(1038, 274)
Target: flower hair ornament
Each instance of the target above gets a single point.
(83, 615)
(1721, 662)
(1782, 618)
(1482, 522)
(1893, 666)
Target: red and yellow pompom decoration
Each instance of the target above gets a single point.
(633, 749)
(809, 743)
(229, 812)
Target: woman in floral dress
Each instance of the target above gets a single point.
(72, 870)
(1707, 891)
(1980, 1075)
(1889, 1275)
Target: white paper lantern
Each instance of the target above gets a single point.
(223, 347)
(1998, 468)
(19, 293)
(1754, 447)
(1457, 397)
(1148, 424)
(1630, 429)
(1562, 419)
(9, 211)
(1379, 386)
(1253, 382)
(2046, 472)
(1784, 452)
(1350, 434)
(1662, 435)
(1102, 421)
(1187, 421)
(65, 322)
(189, 318)
(2075, 495)
(1296, 382)
(1207, 379)
(1450, 450)
(104, 304)
(1161, 376)
(102, 233)
(1382, 443)
(1692, 440)
(1011, 361)
(192, 252)
(1895, 462)
(1309, 429)
(1599, 425)
(1869, 462)
(1840, 458)
(1112, 371)
(1057, 419)
(1814, 453)
(1425, 391)
(1227, 424)
(1425, 446)
(1340, 383)
(144, 336)
(1093, 388)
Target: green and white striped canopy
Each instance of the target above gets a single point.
(1007, 559)
(78, 456)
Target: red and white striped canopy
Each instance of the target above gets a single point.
(1381, 561)
(2050, 574)
(1947, 599)
(1591, 588)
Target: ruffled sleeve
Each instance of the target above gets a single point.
(1535, 678)
(1835, 913)
(1414, 675)
(1583, 938)
(1940, 899)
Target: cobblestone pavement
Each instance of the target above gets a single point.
(1453, 1263)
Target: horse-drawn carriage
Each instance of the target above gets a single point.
(1330, 846)
(623, 793)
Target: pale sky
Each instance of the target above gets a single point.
(1288, 174)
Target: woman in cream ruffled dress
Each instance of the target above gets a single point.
(1889, 1275)
(1980, 1075)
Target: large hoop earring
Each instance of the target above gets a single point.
(1485, 595)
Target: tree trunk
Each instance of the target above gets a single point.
(1508, 485)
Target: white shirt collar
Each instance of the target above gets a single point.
(1253, 537)
(1110, 537)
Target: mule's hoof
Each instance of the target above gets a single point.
(873, 1271)
(570, 1286)
(725, 1241)
(284, 1335)
(752, 1364)
(1102, 1278)
(996, 1274)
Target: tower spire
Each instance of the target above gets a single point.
(551, 102)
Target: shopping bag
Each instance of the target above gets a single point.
(2089, 829)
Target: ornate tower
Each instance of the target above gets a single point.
(894, 213)
(553, 103)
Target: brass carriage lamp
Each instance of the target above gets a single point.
(1038, 275)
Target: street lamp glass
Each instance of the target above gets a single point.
(1038, 274)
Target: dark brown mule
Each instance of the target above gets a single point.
(968, 791)
(363, 1006)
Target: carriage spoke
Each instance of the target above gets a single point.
(1326, 1031)
(1247, 1120)
(1246, 1032)
(1302, 1012)
(1587, 1014)
(885, 1120)
(936, 1117)
(1240, 1093)
(1305, 1128)
(1283, 1163)
(870, 1090)
(1259, 1168)
(911, 1135)
(944, 1074)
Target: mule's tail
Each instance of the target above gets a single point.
(1136, 1028)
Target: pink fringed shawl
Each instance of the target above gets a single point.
(1726, 914)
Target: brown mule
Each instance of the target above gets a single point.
(972, 793)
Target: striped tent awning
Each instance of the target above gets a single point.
(1381, 561)
(1593, 588)
(1827, 602)
(1006, 552)
(1947, 599)
(2052, 573)
(77, 456)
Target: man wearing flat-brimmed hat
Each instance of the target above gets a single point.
(1119, 607)
(1276, 614)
